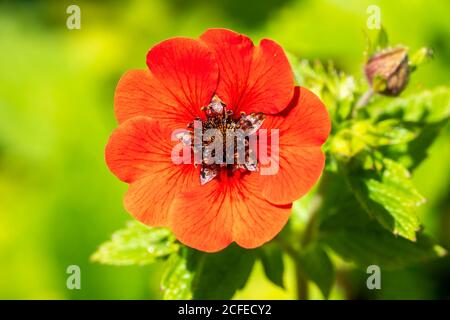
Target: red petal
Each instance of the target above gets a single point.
(139, 152)
(228, 209)
(251, 78)
(303, 128)
(148, 199)
(182, 78)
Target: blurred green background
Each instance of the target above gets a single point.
(58, 201)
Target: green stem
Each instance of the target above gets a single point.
(307, 237)
(294, 252)
(293, 248)
(302, 279)
(302, 282)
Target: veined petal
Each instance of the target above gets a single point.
(252, 79)
(224, 210)
(303, 128)
(182, 77)
(148, 199)
(139, 152)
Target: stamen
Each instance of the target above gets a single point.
(216, 105)
(207, 173)
(218, 117)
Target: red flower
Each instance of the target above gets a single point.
(183, 76)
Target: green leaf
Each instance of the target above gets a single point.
(200, 275)
(427, 106)
(336, 89)
(352, 234)
(390, 197)
(376, 40)
(347, 143)
(389, 132)
(137, 244)
(427, 112)
(177, 278)
(272, 260)
(219, 275)
(421, 56)
(382, 39)
(413, 153)
(365, 135)
(317, 265)
(376, 246)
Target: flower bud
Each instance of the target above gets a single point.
(388, 71)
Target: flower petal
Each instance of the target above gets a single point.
(224, 210)
(139, 152)
(182, 78)
(252, 79)
(139, 93)
(148, 199)
(303, 128)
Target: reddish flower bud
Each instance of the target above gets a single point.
(388, 71)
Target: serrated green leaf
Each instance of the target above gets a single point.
(352, 234)
(427, 106)
(177, 278)
(272, 260)
(377, 246)
(137, 244)
(389, 132)
(390, 197)
(200, 275)
(347, 143)
(317, 265)
(365, 135)
(424, 114)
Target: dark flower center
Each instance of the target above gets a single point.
(223, 141)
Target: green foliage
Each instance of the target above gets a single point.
(316, 264)
(272, 260)
(421, 56)
(356, 237)
(376, 40)
(365, 134)
(366, 247)
(194, 274)
(219, 275)
(177, 280)
(136, 245)
(424, 112)
(337, 90)
(388, 195)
